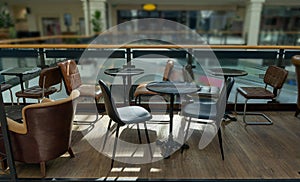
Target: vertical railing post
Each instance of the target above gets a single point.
(42, 57)
(128, 64)
(7, 142)
(280, 58)
(1, 68)
(128, 57)
(190, 56)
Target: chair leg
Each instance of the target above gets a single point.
(268, 122)
(89, 122)
(43, 169)
(97, 116)
(186, 133)
(135, 101)
(236, 96)
(106, 135)
(97, 113)
(140, 98)
(148, 140)
(11, 97)
(4, 164)
(139, 133)
(70, 151)
(115, 147)
(297, 111)
(221, 142)
(245, 108)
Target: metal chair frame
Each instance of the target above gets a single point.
(276, 92)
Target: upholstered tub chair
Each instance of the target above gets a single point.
(296, 62)
(45, 131)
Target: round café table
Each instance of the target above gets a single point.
(172, 89)
(125, 72)
(20, 72)
(227, 72)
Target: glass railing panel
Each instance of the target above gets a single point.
(11, 62)
(256, 69)
(92, 68)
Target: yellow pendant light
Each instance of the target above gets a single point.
(149, 7)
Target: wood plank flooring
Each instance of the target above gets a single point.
(251, 152)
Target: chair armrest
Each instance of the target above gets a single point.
(46, 100)
(16, 127)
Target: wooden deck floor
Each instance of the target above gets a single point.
(252, 152)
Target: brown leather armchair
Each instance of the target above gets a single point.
(45, 132)
(72, 80)
(296, 63)
(48, 78)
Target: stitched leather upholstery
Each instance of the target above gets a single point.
(141, 88)
(274, 77)
(48, 78)
(70, 75)
(255, 93)
(36, 92)
(72, 80)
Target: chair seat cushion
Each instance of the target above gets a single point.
(142, 90)
(207, 91)
(36, 92)
(133, 114)
(90, 91)
(200, 110)
(255, 93)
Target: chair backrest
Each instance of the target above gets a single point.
(275, 77)
(188, 74)
(49, 129)
(49, 77)
(222, 100)
(229, 85)
(109, 103)
(70, 74)
(168, 70)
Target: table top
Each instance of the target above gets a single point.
(227, 72)
(124, 71)
(21, 71)
(167, 87)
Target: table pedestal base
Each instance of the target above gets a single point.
(170, 146)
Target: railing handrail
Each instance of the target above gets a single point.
(32, 39)
(138, 46)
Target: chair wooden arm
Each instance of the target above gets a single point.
(20, 128)
(46, 100)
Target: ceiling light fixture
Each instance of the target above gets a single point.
(149, 7)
